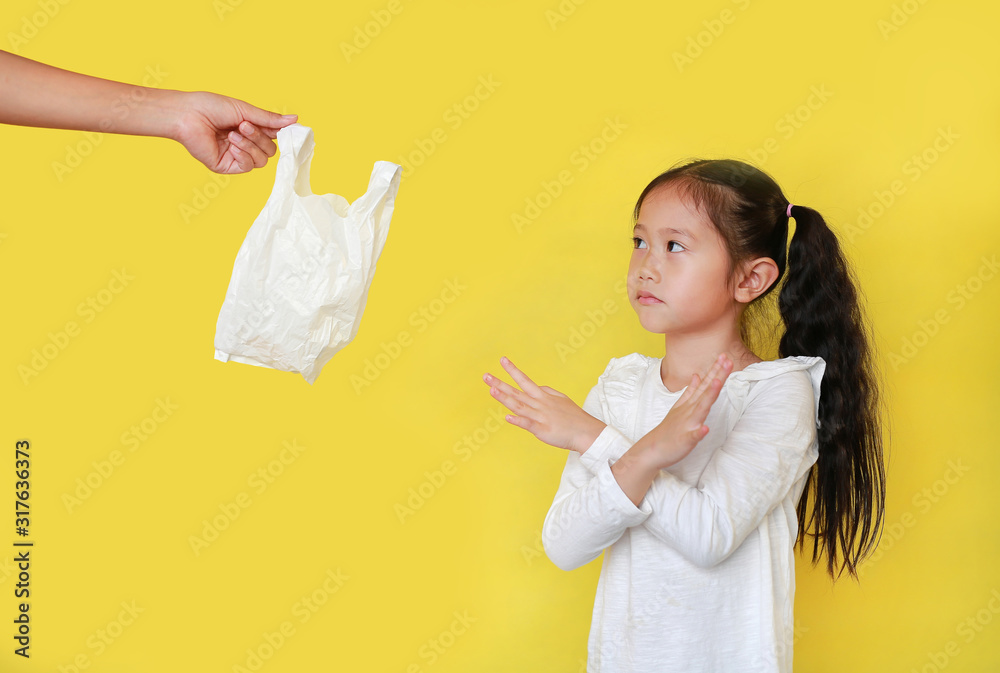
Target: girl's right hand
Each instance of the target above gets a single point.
(546, 413)
(683, 427)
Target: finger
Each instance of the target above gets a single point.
(725, 369)
(258, 138)
(256, 155)
(689, 390)
(520, 422)
(514, 400)
(267, 119)
(504, 387)
(526, 384)
(704, 403)
(242, 160)
(715, 371)
(551, 391)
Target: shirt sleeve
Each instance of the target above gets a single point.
(590, 511)
(769, 448)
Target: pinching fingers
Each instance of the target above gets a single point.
(256, 135)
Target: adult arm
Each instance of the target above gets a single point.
(225, 134)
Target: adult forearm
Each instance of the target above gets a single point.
(36, 94)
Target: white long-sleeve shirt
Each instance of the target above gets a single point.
(700, 576)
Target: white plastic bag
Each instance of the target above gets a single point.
(301, 277)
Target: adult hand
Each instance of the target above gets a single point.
(546, 413)
(226, 134)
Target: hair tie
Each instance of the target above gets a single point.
(788, 211)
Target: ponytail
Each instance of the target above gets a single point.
(820, 307)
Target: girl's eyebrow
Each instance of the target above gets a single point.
(666, 230)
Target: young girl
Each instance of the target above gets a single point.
(693, 472)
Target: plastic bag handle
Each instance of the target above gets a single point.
(295, 145)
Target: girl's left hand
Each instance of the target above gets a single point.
(546, 413)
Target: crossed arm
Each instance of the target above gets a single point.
(225, 134)
(557, 420)
(762, 457)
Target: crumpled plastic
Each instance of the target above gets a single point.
(301, 278)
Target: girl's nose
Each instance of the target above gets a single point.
(648, 268)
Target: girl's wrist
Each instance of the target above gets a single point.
(586, 437)
(646, 458)
(635, 471)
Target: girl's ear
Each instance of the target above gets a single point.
(756, 276)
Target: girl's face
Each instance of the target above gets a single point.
(678, 274)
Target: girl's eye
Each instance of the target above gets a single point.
(638, 243)
(674, 243)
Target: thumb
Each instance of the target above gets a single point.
(266, 119)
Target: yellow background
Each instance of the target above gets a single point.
(473, 547)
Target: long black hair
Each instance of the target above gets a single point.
(819, 304)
